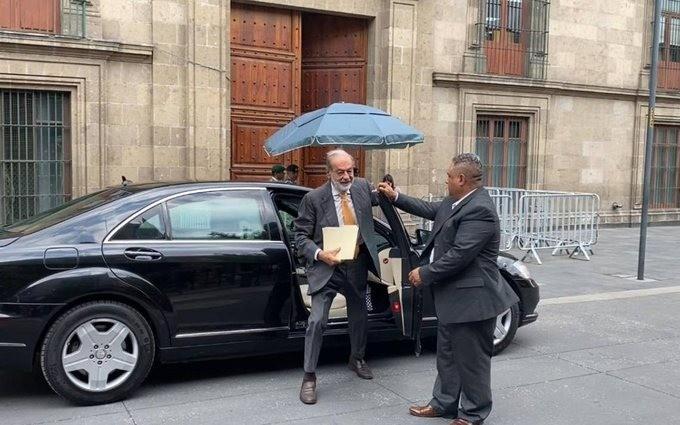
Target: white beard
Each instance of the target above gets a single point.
(342, 188)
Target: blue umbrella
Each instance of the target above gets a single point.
(343, 124)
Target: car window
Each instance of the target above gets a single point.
(287, 207)
(230, 215)
(287, 219)
(381, 241)
(146, 226)
(63, 212)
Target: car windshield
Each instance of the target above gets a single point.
(62, 212)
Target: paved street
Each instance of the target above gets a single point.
(605, 350)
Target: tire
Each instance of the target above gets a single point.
(510, 320)
(506, 328)
(78, 340)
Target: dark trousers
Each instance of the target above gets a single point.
(350, 280)
(463, 384)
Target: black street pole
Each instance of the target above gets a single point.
(649, 145)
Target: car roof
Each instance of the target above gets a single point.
(145, 187)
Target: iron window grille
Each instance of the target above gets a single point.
(669, 46)
(665, 164)
(35, 152)
(511, 38)
(501, 143)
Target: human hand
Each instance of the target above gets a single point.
(330, 257)
(414, 277)
(388, 191)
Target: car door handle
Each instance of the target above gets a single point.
(142, 254)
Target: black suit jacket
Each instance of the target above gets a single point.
(464, 278)
(317, 210)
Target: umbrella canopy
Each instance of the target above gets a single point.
(343, 124)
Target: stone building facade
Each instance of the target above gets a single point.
(152, 90)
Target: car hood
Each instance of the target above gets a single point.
(7, 241)
(507, 255)
(499, 261)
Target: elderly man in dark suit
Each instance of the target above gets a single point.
(343, 200)
(467, 288)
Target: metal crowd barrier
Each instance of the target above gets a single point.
(425, 223)
(560, 222)
(506, 213)
(510, 215)
(532, 220)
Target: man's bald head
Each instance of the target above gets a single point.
(336, 155)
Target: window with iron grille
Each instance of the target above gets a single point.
(511, 37)
(669, 45)
(664, 182)
(501, 143)
(35, 152)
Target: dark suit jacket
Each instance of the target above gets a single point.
(464, 278)
(317, 210)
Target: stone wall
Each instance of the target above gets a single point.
(150, 88)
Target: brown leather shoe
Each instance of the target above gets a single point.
(308, 392)
(424, 411)
(360, 368)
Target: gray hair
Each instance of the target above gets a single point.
(334, 154)
(471, 166)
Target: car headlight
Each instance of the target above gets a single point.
(520, 269)
(514, 266)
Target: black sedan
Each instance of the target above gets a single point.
(97, 290)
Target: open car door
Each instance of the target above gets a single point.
(406, 301)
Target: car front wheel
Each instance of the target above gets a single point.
(506, 327)
(97, 352)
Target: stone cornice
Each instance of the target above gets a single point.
(45, 44)
(445, 79)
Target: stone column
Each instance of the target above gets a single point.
(169, 97)
(401, 44)
(206, 89)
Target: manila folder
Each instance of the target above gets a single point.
(343, 237)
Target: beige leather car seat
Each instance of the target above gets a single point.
(339, 306)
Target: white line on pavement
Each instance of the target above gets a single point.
(607, 296)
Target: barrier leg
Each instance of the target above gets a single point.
(559, 248)
(534, 253)
(581, 249)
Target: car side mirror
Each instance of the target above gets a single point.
(422, 236)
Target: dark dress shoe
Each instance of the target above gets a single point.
(424, 411)
(461, 421)
(308, 392)
(360, 368)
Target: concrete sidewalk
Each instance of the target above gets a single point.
(604, 350)
(613, 267)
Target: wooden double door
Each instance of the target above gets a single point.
(283, 63)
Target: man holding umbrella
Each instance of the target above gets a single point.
(343, 200)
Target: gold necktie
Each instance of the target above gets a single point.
(348, 216)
